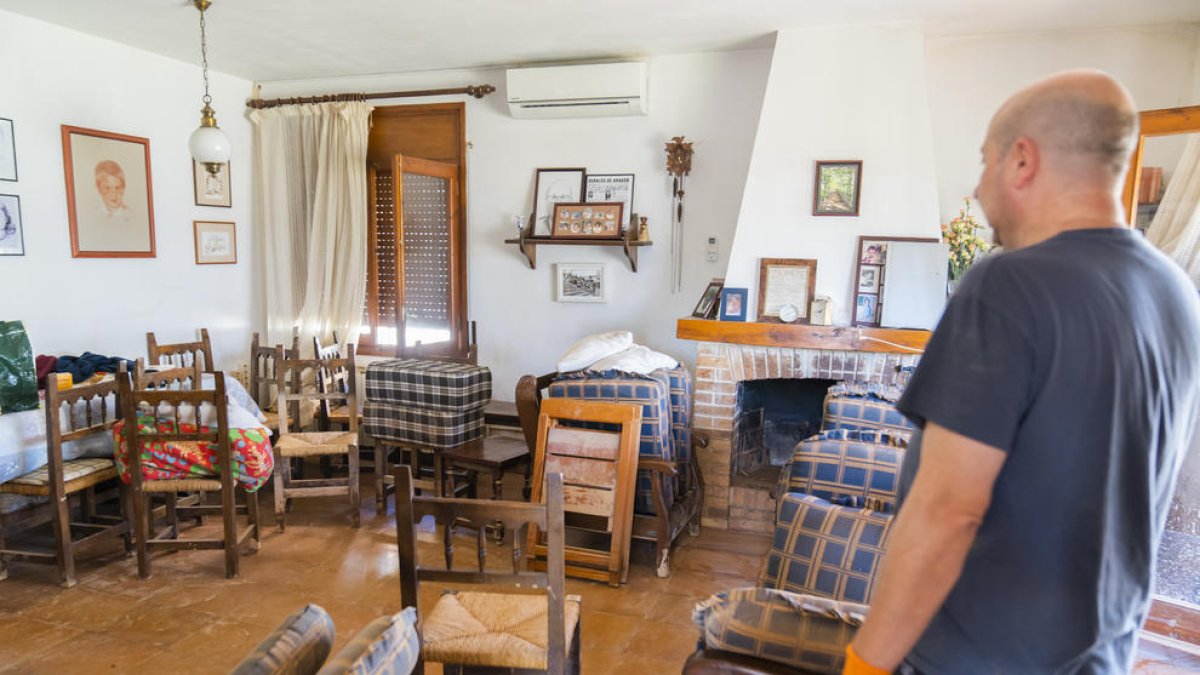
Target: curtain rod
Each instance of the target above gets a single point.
(478, 91)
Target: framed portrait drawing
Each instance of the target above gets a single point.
(216, 242)
(211, 189)
(8, 151)
(733, 304)
(710, 301)
(836, 187)
(870, 277)
(551, 187)
(611, 187)
(579, 282)
(110, 203)
(587, 221)
(12, 230)
(785, 289)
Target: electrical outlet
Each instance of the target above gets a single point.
(711, 252)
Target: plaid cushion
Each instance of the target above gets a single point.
(827, 550)
(297, 647)
(662, 423)
(430, 385)
(841, 464)
(797, 630)
(388, 645)
(428, 428)
(849, 411)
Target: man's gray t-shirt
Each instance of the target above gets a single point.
(1079, 357)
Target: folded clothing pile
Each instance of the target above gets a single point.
(613, 351)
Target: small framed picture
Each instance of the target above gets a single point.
(836, 188)
(868, 278)
(587, 221)
(211, 189)
(550, 187)
(710, 301)
(733, 304)
(110, 202)
(216, 242)
(785, 289)
(611, 187)
(872, 251)
(579, 282)
(866, 309)
(8, 151)
(12, 233)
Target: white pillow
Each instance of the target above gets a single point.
(593, 348)
(636, 359)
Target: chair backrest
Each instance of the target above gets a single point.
(262, 367)
(529, 405)
(182, 353)
(477, 514)
(174, 399)
(333, 379)
(180, 377)
(292, 377)
(77, 412)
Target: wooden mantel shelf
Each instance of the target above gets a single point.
(847, 338)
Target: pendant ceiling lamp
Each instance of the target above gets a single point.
(208, 144)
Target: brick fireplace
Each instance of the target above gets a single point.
(732, 353)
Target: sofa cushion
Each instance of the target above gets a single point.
(388, 645)
(844, 464)
(865, 411)
(801, 631)
(824, 549)
(297, 647)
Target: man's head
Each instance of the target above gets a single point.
(1056, 151)
(110, 183)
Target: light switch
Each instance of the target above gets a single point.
(711, 252)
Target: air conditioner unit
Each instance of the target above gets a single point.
(598, 90)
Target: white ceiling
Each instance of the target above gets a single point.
(267, 40)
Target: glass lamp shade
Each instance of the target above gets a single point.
(210, 145)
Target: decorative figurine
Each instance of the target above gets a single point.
(643, 230)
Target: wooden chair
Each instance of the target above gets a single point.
(262, 375)
(71, 415)
(332, 380)
(290, 385)
(169, 539)
(443, 639)
(182, 353)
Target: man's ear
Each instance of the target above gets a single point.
(1023, 161)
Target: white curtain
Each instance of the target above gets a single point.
(311, 183)
(1175, 229)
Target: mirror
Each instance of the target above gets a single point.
(1160, 146)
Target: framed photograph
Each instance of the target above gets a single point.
(551, 187)
(579, 282)
(710, 302)
(733, 304)
(8, 151)
(836, 188)
(12, 233)
(869, 277)
(587, 221)
(866, 309)
(109, 199)
(785, 289)
(216, 242)
(611, 187)
(211, 189)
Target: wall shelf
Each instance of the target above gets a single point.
(529, 246)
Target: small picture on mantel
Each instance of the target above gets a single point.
(733, 304)
(710, 302)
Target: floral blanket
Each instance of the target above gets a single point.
(252, 458)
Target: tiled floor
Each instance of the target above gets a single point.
(187, 618)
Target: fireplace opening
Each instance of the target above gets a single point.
(770, 417)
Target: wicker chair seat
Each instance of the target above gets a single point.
(492, 629)
(315, 443)
(77, 475)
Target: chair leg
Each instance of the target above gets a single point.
(252, 517)
(88, 505)
(3, 562)
(124, 495)
(173, 514)
(62, 541)
(380, 469)
(229, 518)
(355, 486)
(282, 467)
(141, 525)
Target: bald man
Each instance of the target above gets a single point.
(1056, 399)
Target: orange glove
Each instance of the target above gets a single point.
(855, 665)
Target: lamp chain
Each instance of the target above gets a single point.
(204, 57)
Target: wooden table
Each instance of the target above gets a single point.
(494, 455)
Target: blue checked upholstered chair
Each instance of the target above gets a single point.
(836, 503)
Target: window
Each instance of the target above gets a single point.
(417, 252)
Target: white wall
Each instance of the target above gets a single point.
(52, 76)
(848, 92)
(713, 99)
(969, 77)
